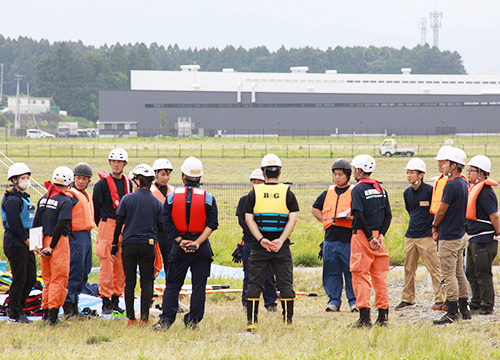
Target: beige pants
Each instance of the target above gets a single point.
(426, 249)
(451, 261)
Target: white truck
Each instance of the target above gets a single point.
(67, 129)
(389, 147)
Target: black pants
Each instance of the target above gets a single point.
(23, 267)
(478, 271)
(258, 267)
(144, 256)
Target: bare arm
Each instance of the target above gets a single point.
(495, 221)
(318, 214)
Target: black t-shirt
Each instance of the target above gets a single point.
(102, 197)
(486, 204)
(455, 194)
(58, 207)
(334, 233)
(372, 204)
(417, 203)
(240, 213)
(291, 204)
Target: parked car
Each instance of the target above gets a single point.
(38, 134)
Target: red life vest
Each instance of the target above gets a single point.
(374, 183)
(474, 192)
(159, 195)
(53, 190)
(197, 215)
(336, 208)
(83, 211)
(112, 187)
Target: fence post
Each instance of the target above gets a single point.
(201, 151)
(158, 150)
(485, 149)
(374, 150)
(136, 151)
(331, 153)
(287, 150)
(352, 150)
(223, 151)
(28, 150)
(50, 151)
(308, 148)
(93, 151)
(244, 152)
(71, 151)
(179, 151)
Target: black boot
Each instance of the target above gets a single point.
(45, 314)
(252, 314)
(364, 320)
(287, 306)
(451, 315)
(383, 317)
(53, 316)
(463, 305)
(107, 306)
(114, 301)
(68, 310)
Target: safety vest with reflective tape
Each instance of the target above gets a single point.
(437, 192)
(195, 221)
(474, 192)
(159, 195)
(337, 207)
(112, 187)
(27, 213)
(83, 211)
(270, 210)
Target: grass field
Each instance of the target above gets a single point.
(318, 335)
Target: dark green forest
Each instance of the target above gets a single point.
(72, 73)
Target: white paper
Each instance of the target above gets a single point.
(36, 238)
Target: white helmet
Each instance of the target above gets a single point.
(144, 170)
(270, 160)
(192, 167)
(160, 164)
(482, 162)
(131, 175)
(416, 164)
(456, 155)
(441, 155)
(364, 162)
(62, 176)
(17, 169)
(257, 175)
(118, 154)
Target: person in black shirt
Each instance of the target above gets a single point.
(419, 242)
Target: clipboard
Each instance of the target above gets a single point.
(36, 238)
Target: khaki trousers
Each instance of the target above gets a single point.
(426, 249)
(452, 268)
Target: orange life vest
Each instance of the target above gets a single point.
(83, 211)
(159, 195)
(437, 192)
(197, 215)
(474, 192)
(158, 264)
(112, 187)
(337, 207)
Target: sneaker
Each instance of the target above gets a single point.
(486, 311)
(354, 309)
(162, 325)
(403, 305)
(332, 308)
(23, 319)
(439, 306)
(252, 327)
(447, 319)
(271, 308)
(132, 322)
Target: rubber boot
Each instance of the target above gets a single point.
(53, 316)
(45, 314)
(68, 310)
(287, 305)
(463, 305)
(252, 314)
(107, 306)
(364, 320)
(114, 301)
(383, 317)
(451, 315)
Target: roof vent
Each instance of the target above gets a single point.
(187, 68)
(330, 71)
(406, 71)
(228, 70)
(299, 69)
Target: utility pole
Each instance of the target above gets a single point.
(436, 18)
(1, 82)
(17, 123)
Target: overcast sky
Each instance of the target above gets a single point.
(470, 27)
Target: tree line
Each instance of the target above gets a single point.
(72, 73)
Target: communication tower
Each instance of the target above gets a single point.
(436, 18)
(423, 31)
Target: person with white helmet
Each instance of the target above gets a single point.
(139, 216)
(54, 214)
(271, 213)
(448, 228)
(269, 294)
(483, 226)
(80, 239)
(437, 191)
(108, 192)
(18, 213)
(369, 256)
(333, 209)
(163, 168)
(419, 242)
(190, 216)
